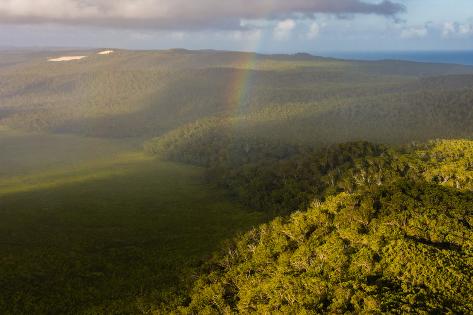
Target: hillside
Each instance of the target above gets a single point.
(404, 248)
(378, 229)
(215, 182)
(149, 93)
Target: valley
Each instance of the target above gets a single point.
(93, 225)
(189, 182)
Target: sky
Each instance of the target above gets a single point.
(271, 26)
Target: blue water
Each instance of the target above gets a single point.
(454, 57)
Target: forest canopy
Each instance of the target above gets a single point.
(210, 182)
(360, 227)
(402, 248)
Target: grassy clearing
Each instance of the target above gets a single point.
(78, 173)
(24, 153)
(107, 236)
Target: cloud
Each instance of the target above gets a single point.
(465, 29)
(181, 14)
(455, 29)
(449, 28)
(245, 35)
(177, 35)
(314, 30)
(415, 32)
(283, 29)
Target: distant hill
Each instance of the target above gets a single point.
(149, 93)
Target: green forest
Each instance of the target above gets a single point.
(158, 182)
(359, 227)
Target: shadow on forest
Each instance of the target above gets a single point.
(112, 241)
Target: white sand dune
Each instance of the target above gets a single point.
(67, 58)
(105, 52)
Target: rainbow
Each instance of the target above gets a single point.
(237, 93)
(240, 83)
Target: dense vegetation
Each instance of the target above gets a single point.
(364, 212)
(280, 97)
(401, 248)
(382, 229)
(111, 235)
(279, 177)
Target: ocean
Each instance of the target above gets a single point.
(453, 57)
